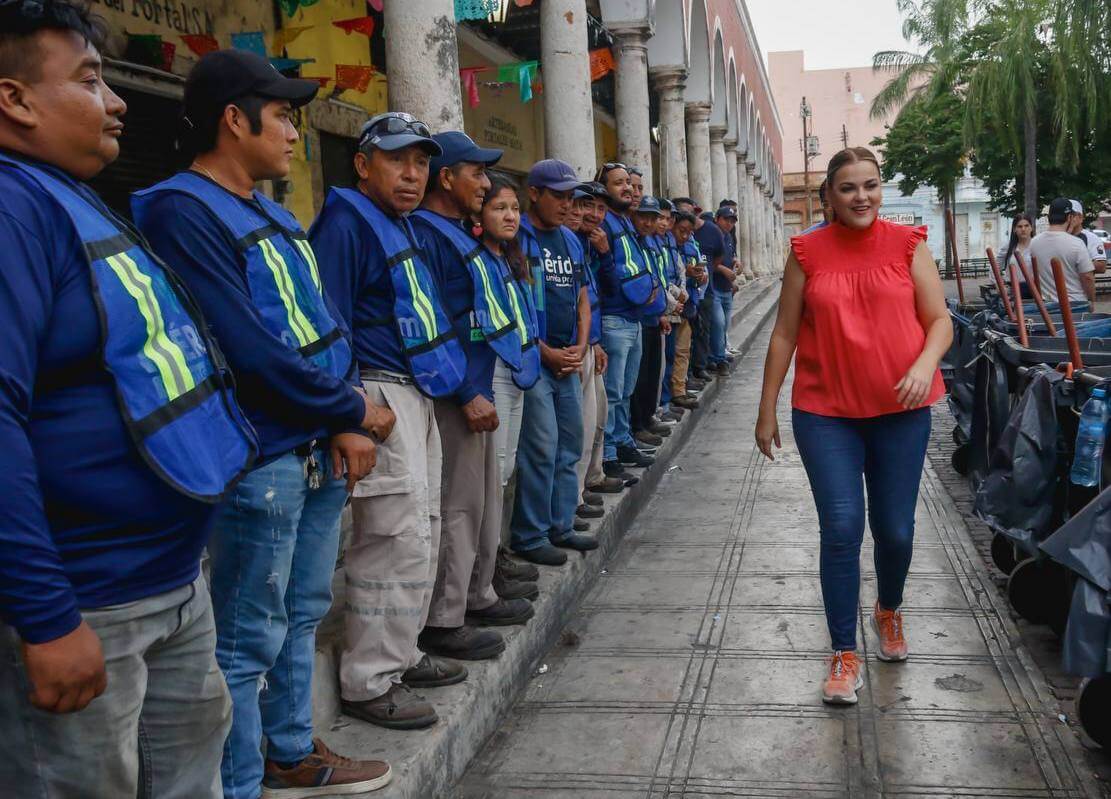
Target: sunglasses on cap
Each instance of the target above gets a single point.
(393, 123)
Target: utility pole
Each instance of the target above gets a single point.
(804, 112)
(844, 137)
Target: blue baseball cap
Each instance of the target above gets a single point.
(551, 173)
(727, 212)
(648, 205)
(459, 148)
(592, 189)
(394, 130)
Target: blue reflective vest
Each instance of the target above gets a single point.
(493, 313)
(174, 389)
(692, 254)
(629, 259)
(280, 266)
(436, 358)
(524, 309)
(654, 256)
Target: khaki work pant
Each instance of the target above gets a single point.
(595, 407)
(682, 358)
(390, 563)
(471, 506)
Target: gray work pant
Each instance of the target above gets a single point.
(157, 732)
(471, 505)
(390, 563)
(595, 408)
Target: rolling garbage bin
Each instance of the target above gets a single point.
(1082, 546)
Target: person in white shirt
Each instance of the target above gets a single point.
(1058, 243)
(1096, 248)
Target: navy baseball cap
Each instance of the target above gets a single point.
(551, 173)
(648, 205)
(394, 130)
(459, 148)
(593, 190)
(1062, 206)
(727, 212)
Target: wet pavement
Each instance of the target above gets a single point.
(693, 667)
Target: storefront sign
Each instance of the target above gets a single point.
(502, 134)
(169, 15)
(898, 219)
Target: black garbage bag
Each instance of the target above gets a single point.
(959, 371)
(1016, 496)
(1083, 546)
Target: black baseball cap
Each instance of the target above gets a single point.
(224, 76)
(727, 211)
(1060, 208)
(459, 148)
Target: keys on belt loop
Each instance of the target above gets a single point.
(312, 468)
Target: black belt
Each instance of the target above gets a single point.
(304, 450)
(379, 376)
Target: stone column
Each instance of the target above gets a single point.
(424, 62)
(568, 105)
(631, 98)
(762, 222)
(753, 209)
(698, 153)
(744, 213)
(668, 83)
(731, 170)
(717, 164)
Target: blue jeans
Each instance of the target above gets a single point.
(719, 325)
(548, 453)
(888, 452)
(273, 549)
(621, 341)
(669, 364)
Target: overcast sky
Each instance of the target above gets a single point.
(833, 33)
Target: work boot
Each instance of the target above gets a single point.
(649, 438)
(515, 570)
(593, 499)
(397, 709)
(888, 625)
(324, 773)
(582, 543)
(433, 673)
(545, 555)
(631, 456)
(703, 375)
(515, 589)
(661, 429)
(647, 449)
(686, 401)
(614, 470)
(608, 485)
(503, 613)
(673, 415)
(580, 526)
(589, 512)
(844, 679)
(722, 368)
(461, 643)
(694, 384)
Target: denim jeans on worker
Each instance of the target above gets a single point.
(841, 456)
(273, 550)
(550, 446)
(621, 341)
(719, 325)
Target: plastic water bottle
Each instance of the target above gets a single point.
(1088, 459)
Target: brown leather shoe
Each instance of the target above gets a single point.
(324, 773)
(397, 709)
(434, 673)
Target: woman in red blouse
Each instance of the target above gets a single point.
(863, 313)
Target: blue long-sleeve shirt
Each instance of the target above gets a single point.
(287, 398)
(84, 522)
(453, 278)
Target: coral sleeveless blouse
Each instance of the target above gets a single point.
(859, 331)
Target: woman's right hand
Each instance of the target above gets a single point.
(767, 433)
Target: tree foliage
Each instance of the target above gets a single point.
(925, 145)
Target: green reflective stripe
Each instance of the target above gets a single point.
(518, 314)
(630, 262)
(159, 348)
(300, 325)
(310, 258)
(421, 304)
(497, 314)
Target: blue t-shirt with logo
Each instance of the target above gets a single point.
(562, 281)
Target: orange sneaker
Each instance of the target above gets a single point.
(844, 679)
(888, 625)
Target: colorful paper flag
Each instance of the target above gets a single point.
(169, 50)
(285, 36)
(322, 81)
(601, 63)
(250, 41)
(290, 7)
(375, 4)
(283, 64)
(149, 50)
(363, 25)
(353, 76)
(200, 43)
(469, 76)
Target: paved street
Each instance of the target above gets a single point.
(693, 667)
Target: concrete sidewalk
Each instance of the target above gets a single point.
(693, 667)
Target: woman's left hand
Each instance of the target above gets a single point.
(914, 388)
